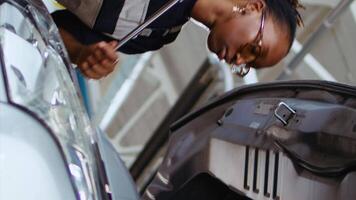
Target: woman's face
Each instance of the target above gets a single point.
(229, 37)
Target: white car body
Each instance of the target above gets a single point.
(48, 147)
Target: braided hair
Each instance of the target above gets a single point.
(286, 12)
(296, 5)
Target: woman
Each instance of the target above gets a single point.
(246, 33)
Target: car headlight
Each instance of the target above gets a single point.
(35, 66)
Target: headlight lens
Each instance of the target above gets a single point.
(38, 80)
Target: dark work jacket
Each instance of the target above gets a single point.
(116, 18)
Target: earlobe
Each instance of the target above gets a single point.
(256, 5)
(251, 6)
(240, 60)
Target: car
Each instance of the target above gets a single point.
(280, 140)
(48, 146)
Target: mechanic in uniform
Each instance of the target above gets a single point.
(258, 33)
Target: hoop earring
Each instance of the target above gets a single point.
(240, 70)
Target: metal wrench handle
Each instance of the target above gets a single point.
(142, 26)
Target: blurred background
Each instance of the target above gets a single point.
(137, 103)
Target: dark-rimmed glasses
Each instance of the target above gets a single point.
(252, 50)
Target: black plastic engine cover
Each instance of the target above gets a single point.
(283, 140)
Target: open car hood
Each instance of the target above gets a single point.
(264, 141)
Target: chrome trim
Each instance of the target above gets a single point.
(150, 195)
(280, 118)
(162, 178)
(3, 93)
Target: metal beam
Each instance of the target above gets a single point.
(184, 104)
(121, 93)
(314, 38)
(314, 64)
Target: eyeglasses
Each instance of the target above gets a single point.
(251, 50)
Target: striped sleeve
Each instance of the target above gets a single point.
(133, 13)
(114, 17)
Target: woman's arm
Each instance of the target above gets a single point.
(72, 45)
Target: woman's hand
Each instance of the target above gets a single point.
(97, 60)
(94, 61)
